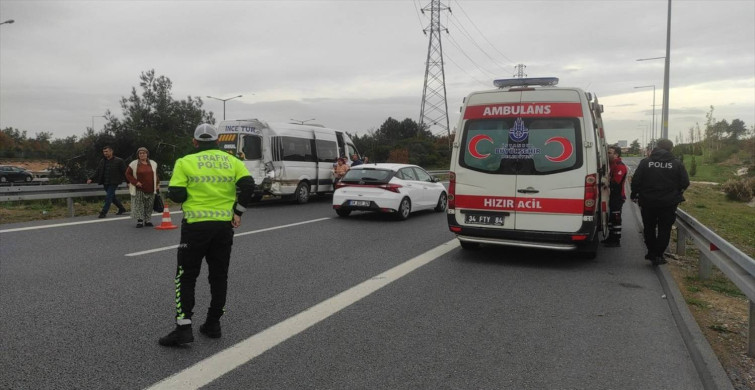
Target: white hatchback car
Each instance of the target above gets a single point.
(388, 188)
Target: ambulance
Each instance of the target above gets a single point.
(289, 160)
(529, 168)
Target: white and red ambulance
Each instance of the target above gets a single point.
(529, 168)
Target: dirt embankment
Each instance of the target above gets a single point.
(30, 165)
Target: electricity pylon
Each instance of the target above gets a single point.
(434, 105)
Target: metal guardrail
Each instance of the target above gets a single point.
(60, 191)
(714, 250)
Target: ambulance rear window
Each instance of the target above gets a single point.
(529, 146)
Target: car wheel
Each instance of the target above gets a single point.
(404, 209)
(28, 179)
(470, 246)
(343, 213)
(302, 193)
(442, 201)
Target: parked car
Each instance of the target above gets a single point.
(398, 189)
(10, 173)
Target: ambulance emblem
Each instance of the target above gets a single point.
(518, 133)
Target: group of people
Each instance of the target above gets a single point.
(342, 165)
(141, 174)
(657, 186)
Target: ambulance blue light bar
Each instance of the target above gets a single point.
(525, 82)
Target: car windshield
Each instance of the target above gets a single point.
(368, 175)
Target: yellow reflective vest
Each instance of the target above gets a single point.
(209, 177)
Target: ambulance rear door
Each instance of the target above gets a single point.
(546, 153)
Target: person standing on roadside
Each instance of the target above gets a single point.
(111, 172)
(617, 195)
(355, 160)
(658, 186)
(143, 185)
(206, 182)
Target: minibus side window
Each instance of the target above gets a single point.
(327, 151)
(296, 149)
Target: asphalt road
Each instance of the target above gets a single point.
(321, 302)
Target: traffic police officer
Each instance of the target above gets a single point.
(206, 182)
(658, 184)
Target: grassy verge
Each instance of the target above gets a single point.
(38, 210)
(719, 307)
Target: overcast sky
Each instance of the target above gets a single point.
(352, 64)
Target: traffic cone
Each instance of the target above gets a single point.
(167, 224)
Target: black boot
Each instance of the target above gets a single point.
(181, 335)
(211, 329)
(611, 241)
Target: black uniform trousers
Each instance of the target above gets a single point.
(657, 223)
(211, 240)
(614, 218)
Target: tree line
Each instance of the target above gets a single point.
(152, 118)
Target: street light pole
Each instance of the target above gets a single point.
(664, 131)
(653, 125)
(224, 100)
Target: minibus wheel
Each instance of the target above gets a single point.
(301, 195)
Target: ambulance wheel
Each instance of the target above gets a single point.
(301, 195)
(404, 209)
(469, 246)
(343, 213)
(589, 251)
(442, 201)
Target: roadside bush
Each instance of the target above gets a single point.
(739, 190)
(693, 167)
(724, 153)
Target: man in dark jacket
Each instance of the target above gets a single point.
(111, 172)
(658, 185)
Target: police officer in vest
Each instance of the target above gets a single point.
(206, 182)
(658, 185)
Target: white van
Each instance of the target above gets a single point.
(529, 168)
(286, 159)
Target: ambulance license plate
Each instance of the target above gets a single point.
(359, 203)
(485, 219)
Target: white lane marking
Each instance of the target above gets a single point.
(165, 248)
(215, 366)
(74, 223)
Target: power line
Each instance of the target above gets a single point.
(455, 44)
(487, 84)
(483, 35)
(466, 33)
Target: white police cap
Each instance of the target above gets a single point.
(205, 132)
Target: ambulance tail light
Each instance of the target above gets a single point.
(591, 194)
(451, 203)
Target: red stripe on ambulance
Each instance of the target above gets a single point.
(534, 205)
(524, 110)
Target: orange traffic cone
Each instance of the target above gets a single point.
(167, 223)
